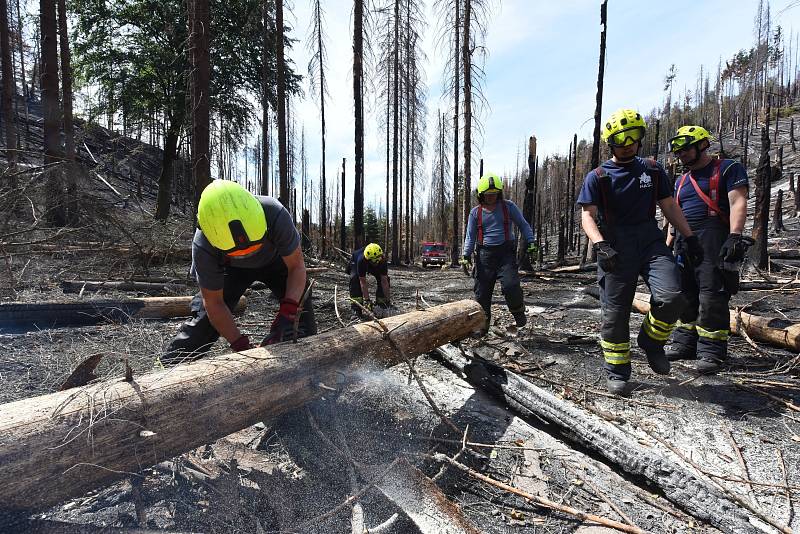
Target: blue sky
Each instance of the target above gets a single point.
(541, 71)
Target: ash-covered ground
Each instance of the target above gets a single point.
(290, 475)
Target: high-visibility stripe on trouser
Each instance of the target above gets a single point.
(716, 335)
(616, 353)
(686, 326)
(655, 329)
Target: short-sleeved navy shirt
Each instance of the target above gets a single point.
(361, 266)
(632, 190)
(732, 176)
(208, 262)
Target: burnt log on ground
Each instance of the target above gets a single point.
(16, 315)
(60, 445)
(694, 495)
(772, 330)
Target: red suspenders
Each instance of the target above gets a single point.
(506, 222)
(711, 201)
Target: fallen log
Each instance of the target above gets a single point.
(679, 485)
(777, 332)
(78, 286)
(784, 254)
(17, 315)
(784, 283)
(60, 445)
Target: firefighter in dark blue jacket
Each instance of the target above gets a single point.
(489, 232)
(622, 195)
(713, 197)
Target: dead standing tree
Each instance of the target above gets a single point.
(598, 110)
(9, 89)
(528, 203)
(316, 77)
(358, 105)
(56, 213)
(199, 24)
(758, 252)
(283, 169)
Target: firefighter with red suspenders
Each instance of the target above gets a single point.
(618, 206)
(713, 197)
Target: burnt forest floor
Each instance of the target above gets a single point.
(277, 475)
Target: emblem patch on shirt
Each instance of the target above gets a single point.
(645, 181)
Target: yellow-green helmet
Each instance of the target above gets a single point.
(230, 217)
(373, 252)
(489, 183)
(624, 127)
(688, 135)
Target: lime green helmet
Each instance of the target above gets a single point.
(624, 127)
(489, 183)
(230, 217)
(373, 252)
(687, 136)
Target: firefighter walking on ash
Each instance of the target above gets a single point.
(490, 235)
(618, 213)
(369, 260)
(713, 197)
(242, 238)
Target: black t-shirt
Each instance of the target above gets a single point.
(360, 266)
(208, 262)
(631, 198)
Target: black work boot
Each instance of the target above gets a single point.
(617, 386)
(520, 318)
(678, 351)
(708, 366)
(654, 351)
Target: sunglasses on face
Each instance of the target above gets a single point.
(626, 137)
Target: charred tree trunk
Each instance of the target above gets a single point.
(598, 110)
(343, 234)
(9, 90)
(528, 203)
(200, 21)
(466, 59)
(456, 93)
(571, 199)
(45, 457)
(395, 134)
(442, 200)
(758, 252)
(167, 162)
(56, 213)
(777, 214)
(283, 169)
(358, 98)
(306, 227)
(66, 84)
(265, 83)
(791, 134)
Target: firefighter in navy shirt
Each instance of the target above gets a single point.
(622, 195)
(713, 197)
(489, 232)
(368, 260)
(241, 238)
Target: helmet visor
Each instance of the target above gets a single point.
(626, 137)
(680, 142)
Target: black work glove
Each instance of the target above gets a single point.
(607, 257)
(693, 250)
(242, 343)
(733, 249)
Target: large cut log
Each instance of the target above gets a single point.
(16, 315)
(778, 332)
(60, 445)
(678, 484)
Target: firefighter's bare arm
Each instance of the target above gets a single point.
(385, 284)
(296, 277)
(738, 202)
(364, 288)
(220, 316)
(675, 216)
(589, 222)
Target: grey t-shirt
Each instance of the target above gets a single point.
(208, 262)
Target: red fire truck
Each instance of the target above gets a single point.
(433, 253)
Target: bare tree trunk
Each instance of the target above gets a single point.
(791, 134)
(572, 198)
(395, 135)
(777, 214)
(456, 95)
(758, 252)
(264, 189)
(9, 91)
(466, 59)
(358, 98)
(528, 204)
(25, 91)
(199, 41)
(66, 81)
(343, 235)
(283, 168)
(442, 200)
(56, 213)
(598, 110)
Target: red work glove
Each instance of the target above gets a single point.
(242, 343)
(283, 326)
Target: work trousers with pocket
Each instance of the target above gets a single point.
(641, 252)
(493, 263)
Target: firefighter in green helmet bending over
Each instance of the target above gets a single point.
(241, 239)
(490, 234)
